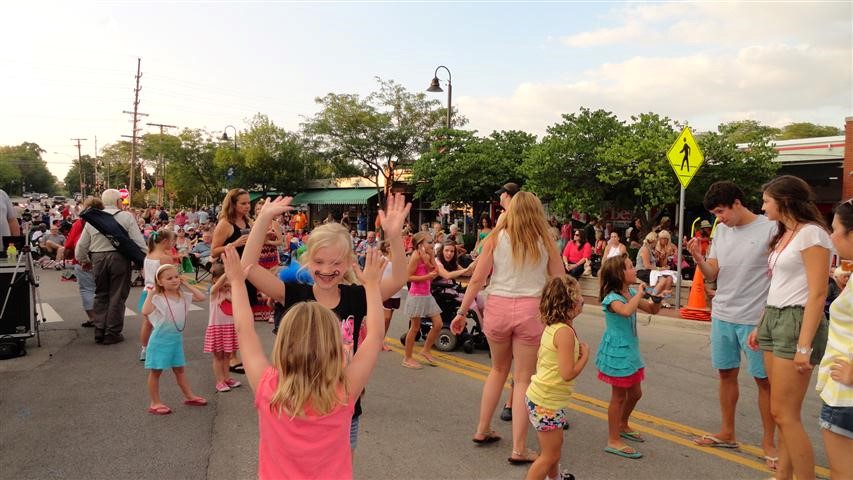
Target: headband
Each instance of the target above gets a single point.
(162, 268)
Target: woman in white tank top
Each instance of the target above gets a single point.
(614, 247)
(521, 255)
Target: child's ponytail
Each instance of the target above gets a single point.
(159, 236)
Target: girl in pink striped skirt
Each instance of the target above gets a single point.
(220, 339)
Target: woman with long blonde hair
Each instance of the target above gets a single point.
(520, 256)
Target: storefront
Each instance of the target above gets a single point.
(338, 202)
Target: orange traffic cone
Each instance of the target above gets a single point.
(697, 307)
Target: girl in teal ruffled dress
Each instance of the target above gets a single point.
(618, 359)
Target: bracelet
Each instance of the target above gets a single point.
(804, 350)
(461, 312)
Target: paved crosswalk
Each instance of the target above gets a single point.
(50, 315)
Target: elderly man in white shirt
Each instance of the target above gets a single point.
(111, 270)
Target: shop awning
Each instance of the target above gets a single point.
(338, 196)
(256, 195)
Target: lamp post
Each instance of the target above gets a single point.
(225, 135)
(435, 87)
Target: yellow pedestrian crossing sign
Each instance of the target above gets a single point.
(685, 157)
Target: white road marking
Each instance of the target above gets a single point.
(50, 315)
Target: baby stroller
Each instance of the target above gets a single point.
(449, 298)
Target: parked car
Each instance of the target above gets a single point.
(58, 200)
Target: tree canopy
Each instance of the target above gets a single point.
(22, 169)
(372, 136)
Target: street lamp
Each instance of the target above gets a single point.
(435, 87)
(225, 135)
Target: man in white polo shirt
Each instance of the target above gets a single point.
(738, 262)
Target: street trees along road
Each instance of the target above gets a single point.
(565, 167)
(389, 127)
(22, 164)
(463, 168)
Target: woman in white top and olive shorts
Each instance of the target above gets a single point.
(793, 331)
(521, 256)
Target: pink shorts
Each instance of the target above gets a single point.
(516, 319)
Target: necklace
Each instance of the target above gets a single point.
(777, 252)
(172, 314)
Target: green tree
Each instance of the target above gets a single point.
(192, 172)
(390, 127)
(807, 130)
(561, 168)
(750, 167)
(33, 174)
(73, 178)
(114, 164)
(272, 158)
(747, 131)
(634, 167)
(461, 168)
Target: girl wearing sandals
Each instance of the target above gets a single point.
(423, 268)
(329, 259)
(160, 244)
(618, 359)
(519, 255)
(220, 338)
(166, 306)
(793, 331)
(561, 358)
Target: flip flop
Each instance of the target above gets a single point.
(159, 410)
(712, 441)
(237, 369)
(428, 359)
(196, 402)
(771, 462)
(528, 457)
(490, 437)
(626, 452)
(413, 365)
(634, 436)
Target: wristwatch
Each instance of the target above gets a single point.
(804, 350)
(461, 312)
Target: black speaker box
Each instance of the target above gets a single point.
(17, 318)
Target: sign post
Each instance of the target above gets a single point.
(685, 158)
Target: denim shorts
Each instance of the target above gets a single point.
(727, 341)
(838, 420)
(546, 419)
(353, 433)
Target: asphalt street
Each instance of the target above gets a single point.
(72, 409)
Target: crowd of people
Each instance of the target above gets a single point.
(768, 301)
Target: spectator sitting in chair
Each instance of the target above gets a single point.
(52, 243)
(201, 250)
(577, 254)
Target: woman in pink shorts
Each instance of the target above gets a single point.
(521, 255)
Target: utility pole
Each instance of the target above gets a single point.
(161, 195)
(98, 183)
(135, 131)
(80, 165)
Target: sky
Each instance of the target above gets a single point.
(68, 67)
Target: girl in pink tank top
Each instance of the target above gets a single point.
(420, 304)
